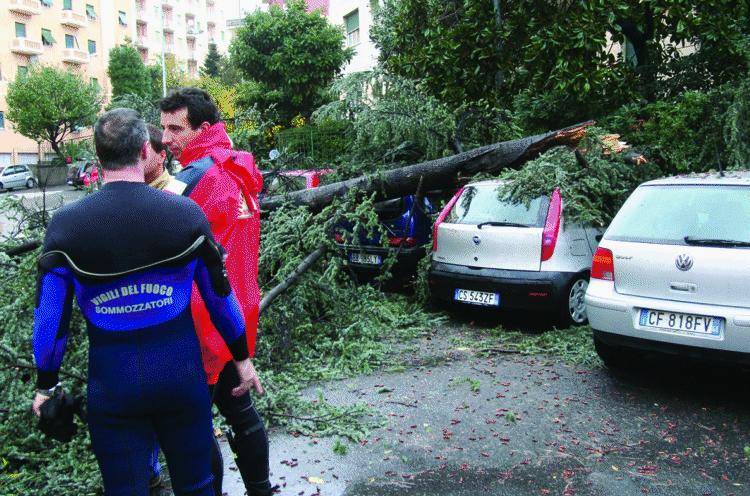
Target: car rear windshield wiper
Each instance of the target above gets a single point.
(498, 223)
(715, 242)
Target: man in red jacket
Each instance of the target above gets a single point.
(225, 184)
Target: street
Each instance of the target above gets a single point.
(33, 199)
(461, 423)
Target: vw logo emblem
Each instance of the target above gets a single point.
(476, 240)
(684, 262)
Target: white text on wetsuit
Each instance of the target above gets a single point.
(134, 289)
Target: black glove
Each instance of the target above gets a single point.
(56, 419)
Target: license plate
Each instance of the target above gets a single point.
(682, 323)
(365, 258)
(477, 297)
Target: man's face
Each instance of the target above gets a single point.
(153, 165)
(177, 131)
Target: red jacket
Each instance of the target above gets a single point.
(225, 184)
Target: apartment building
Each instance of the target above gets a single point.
(185, 27)
(73, 34)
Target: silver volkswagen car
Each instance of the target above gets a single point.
(672, 272)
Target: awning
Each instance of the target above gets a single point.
(123, 18)
(47, 3)
(47, 37)
(90, 12)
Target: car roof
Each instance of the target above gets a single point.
(487, 182)
(730, 178)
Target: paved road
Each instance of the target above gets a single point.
(33, 199)
(465, 425)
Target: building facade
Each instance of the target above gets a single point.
(184, 27)
(73, 34)
(356, 17)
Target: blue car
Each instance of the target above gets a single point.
(409, 228)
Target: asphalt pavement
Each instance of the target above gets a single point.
(461, 424)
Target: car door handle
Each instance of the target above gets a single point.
(684, 287)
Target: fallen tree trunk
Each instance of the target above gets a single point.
(438, 174)
(289, 281)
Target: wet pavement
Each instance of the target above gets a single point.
(33, 199)
(456, 423)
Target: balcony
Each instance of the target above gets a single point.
(72, 19)
(234, 23)
(142, 41)
(75, 56)
(191, 32)
(25, 46)
(192, 57)
(27, 7)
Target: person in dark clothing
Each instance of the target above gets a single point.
(224, 183)
(133, 285)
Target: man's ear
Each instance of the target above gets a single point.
(204, 125)
(144, 150)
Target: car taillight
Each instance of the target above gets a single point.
(339, 238)
(603, 265)
(443, 214)
(552, 225)
(408, 242)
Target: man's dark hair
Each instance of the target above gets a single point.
(154, 137)
(200, 107)
(119, 136)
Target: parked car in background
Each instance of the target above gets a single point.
(16, 176)
(292, 180)
(492, 252)
(79, 173)
(407, 222)
(671, 273)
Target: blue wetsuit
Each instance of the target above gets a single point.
(130, 254)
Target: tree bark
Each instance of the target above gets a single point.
(289, 281)
(438, 174)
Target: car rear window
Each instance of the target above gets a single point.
(667, 214)
(483, 203)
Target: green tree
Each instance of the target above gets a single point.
(561, 56)
(176, 77)
(127, 72)
(48, 104)
(212, 65)
(288, 58)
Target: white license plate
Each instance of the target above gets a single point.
(365, 258)
(682, 323)
(477, 297)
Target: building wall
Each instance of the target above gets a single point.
(188, 26)
(103, 29)
(366, 54)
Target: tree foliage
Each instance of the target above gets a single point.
(48, 104)
(212, 64)
(288, 57)
(565, 53)
(127, 72)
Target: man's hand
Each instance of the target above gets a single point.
(248, 378)
(39, 400)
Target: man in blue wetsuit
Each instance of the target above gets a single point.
(133, 285)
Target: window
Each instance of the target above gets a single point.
(70, 41)
(22, 70)
(123, 18)
(95, 82)
(351, 22)
(2, 119)
(90, 12)
(20, 30)
(92, 47)
(222, 36)
(47, 38)
(47, 3)
(67, 4)
(628, 53)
